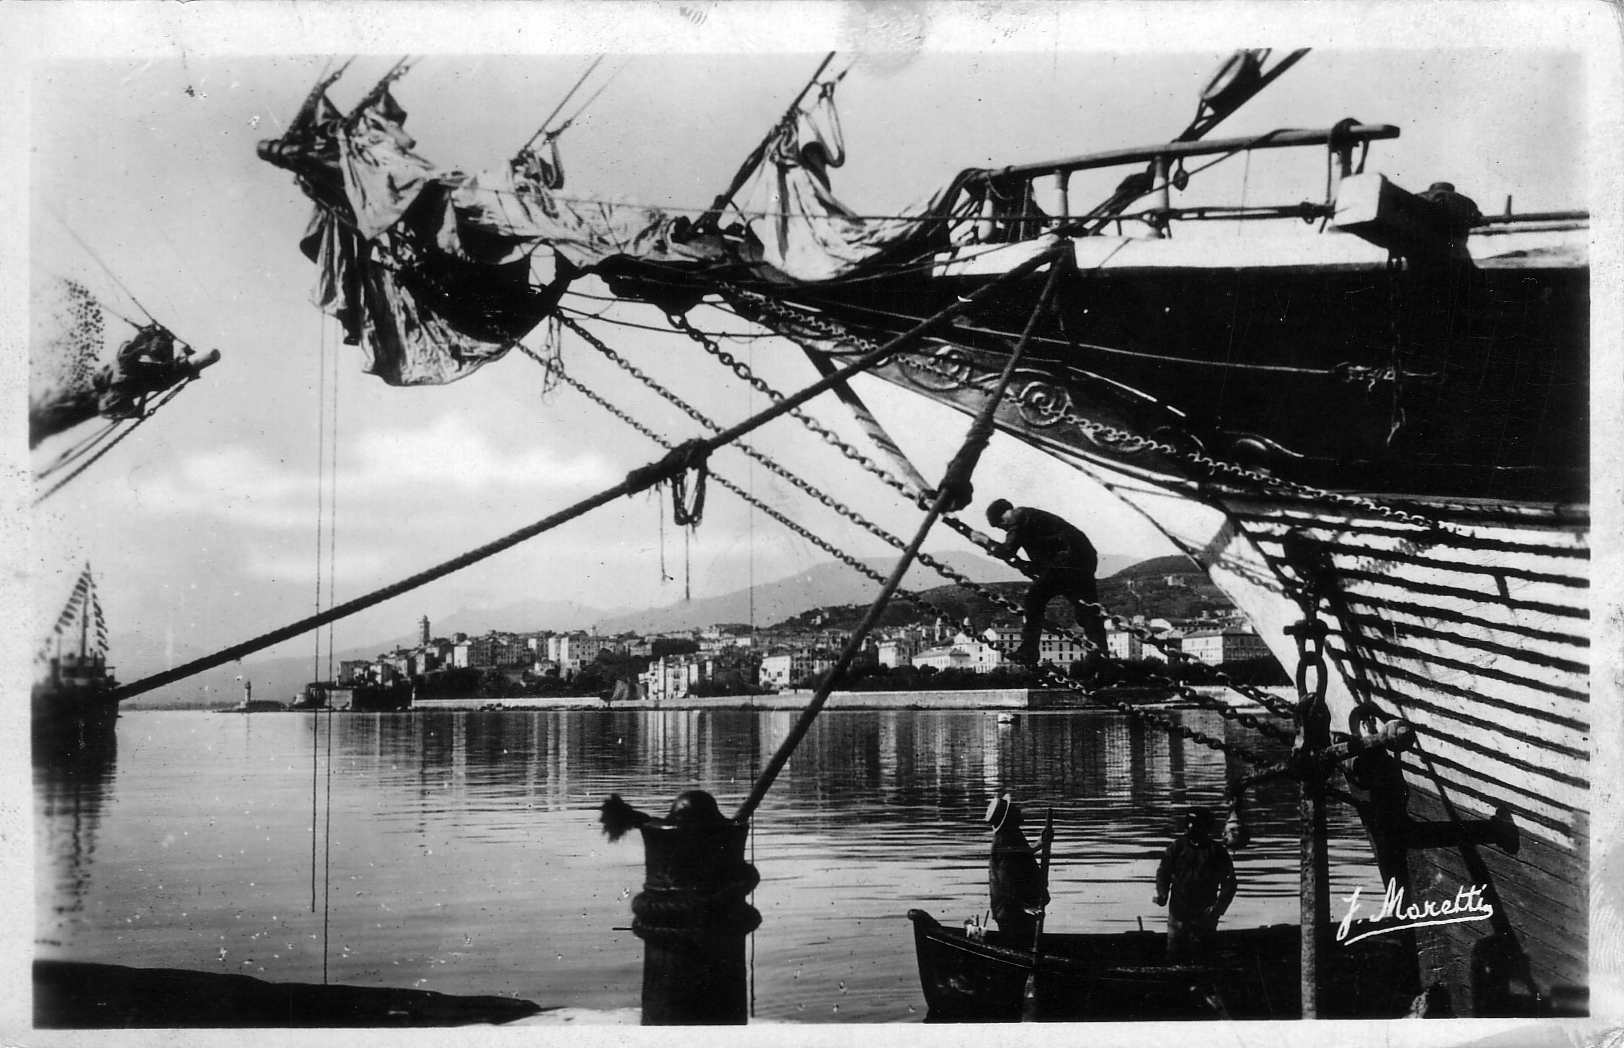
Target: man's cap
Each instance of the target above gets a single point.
(1198, 817)
(998, 508)
(998, 809)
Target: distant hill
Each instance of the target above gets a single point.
(1170, 587)
(830, 583)
(1172, 564)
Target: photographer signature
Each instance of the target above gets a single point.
(1395, 914)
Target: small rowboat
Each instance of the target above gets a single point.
(1252, 973)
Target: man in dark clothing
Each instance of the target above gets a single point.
(1064, 561)
(1013, 876)
(1196, 882)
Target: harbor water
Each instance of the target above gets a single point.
(460, 852)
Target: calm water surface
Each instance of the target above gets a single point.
(460, 852)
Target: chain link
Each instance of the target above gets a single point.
(988, 546)
(1052, 676)
(742, 370)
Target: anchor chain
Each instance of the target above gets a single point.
(1312, 676)
(834, 440)
(743, 371)
(1053, 677)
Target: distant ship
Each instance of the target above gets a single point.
(73, 707)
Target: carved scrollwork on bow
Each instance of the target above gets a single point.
(1042, 403)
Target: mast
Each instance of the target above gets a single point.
(708, 219)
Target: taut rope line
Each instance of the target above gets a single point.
(1052, 677)
(685, 456)
(111, 444)
(951, 494)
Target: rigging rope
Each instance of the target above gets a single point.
(975, 537)
(1053, 677)
(74, 453)
(321, 506)
(315, 749)
(332, 509)
(105, 269)
(582, 108)
(638, 480)
(949, 494)
(562, 103)
(169, 395)
(709, 218)
(327, 845)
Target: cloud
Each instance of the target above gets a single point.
(451, 453)
(381, 473)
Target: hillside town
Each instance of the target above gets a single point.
(734, 659)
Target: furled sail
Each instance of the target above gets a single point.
(799, 227)
(435, 272)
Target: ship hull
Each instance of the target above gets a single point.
(1456, 597)
(1479, 638)
(1475, 631)
(1319, 359)
(70, 720)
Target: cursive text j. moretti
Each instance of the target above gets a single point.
(1395, 914)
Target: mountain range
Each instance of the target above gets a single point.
(826, 584)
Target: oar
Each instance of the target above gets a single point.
(1030, 997)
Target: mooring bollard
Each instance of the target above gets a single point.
(693, 915)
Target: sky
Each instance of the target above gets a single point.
(143, 181)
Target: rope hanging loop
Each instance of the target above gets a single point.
(691, 455)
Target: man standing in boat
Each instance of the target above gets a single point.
(1063, 562)
(1013, 875)
(1196, 882)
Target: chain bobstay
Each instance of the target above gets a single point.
(1049, 676)
(986, 544)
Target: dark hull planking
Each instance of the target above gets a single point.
(1461, 382)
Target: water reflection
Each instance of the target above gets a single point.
(465, 855)
(72, 787)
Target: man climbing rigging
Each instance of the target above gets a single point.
(1063, 564)
(1195, 881)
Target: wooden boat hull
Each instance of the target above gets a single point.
(1251, 974)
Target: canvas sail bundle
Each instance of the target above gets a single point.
(800, 228)
(435, 272)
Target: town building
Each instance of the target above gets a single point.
(796, 667)
(964, 653)
(1060, 648)
(1130, 645)
(573, 652)
(671, 677)
(897, 651)
(1228, 644)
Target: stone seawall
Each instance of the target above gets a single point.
(976, 699)
(972, 699)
